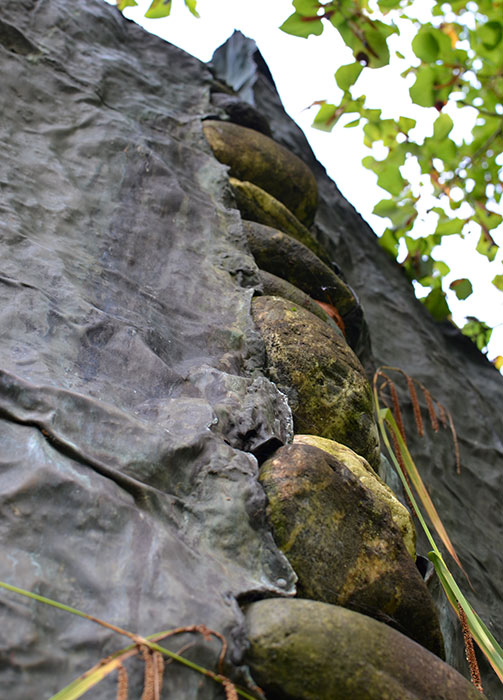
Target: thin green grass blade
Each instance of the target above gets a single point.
(485, 640)
(81, 685)
(482, 636)
(47, 601)
(419, 486)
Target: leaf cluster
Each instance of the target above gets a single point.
(158, 8)
(456, 68)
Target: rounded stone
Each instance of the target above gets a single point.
(326, 385)
(368, 477)
(343, 544)
(280, 254)
(255, 157)
(275, 286)
(306, 650)
(255, 204)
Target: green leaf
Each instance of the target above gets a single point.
(498, 282)
(490, 34)
(401, 214)
(391, 180)
(122, 4)
(389, 241)
(478, 331)
(297, 25)
(422, 92)
(405, 124)
(367, 40)
(388, 174)
(426, 46)
(442, 268)
(377, 47)
(326, 118)
(389, 4)
(442, 127)
(487, 247)
(437, 305)
(350, 125)
(386, 207)
(449, 226)
(191, 6)
(158, 9)
(462, 287)
(348, 75)
(306, 8)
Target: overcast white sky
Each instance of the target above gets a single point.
(303, 70)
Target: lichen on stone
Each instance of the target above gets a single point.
(341, 540)
(367, 476)
(306, 650)
(255, 157)
(325, 383)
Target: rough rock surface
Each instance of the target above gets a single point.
(403, 334)
(367, 476)
(305, 650)
(240, 112)
(343, 544)
(322, 377)
(256, 158)
(128, 409)
(132, 401)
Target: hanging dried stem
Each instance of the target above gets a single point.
(230, 689)
(179, 651)
(442, 414)
(396, 409)
(148, 682)
(207, 634)
(470, 651)
(415, 405)
(122, 683)
(431, 408)
(158, 660)
(382, 396)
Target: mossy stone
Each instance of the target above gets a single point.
(343, 544)
(368, 477)
(275, 286)
(325, 383)
(280, 254)
(254, 157)
(255, 204)
(306, 650)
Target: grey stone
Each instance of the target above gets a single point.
(273, 286)
(305, 650)
(437, 354)
(325, 383)
(256, 158)
(342, 541)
